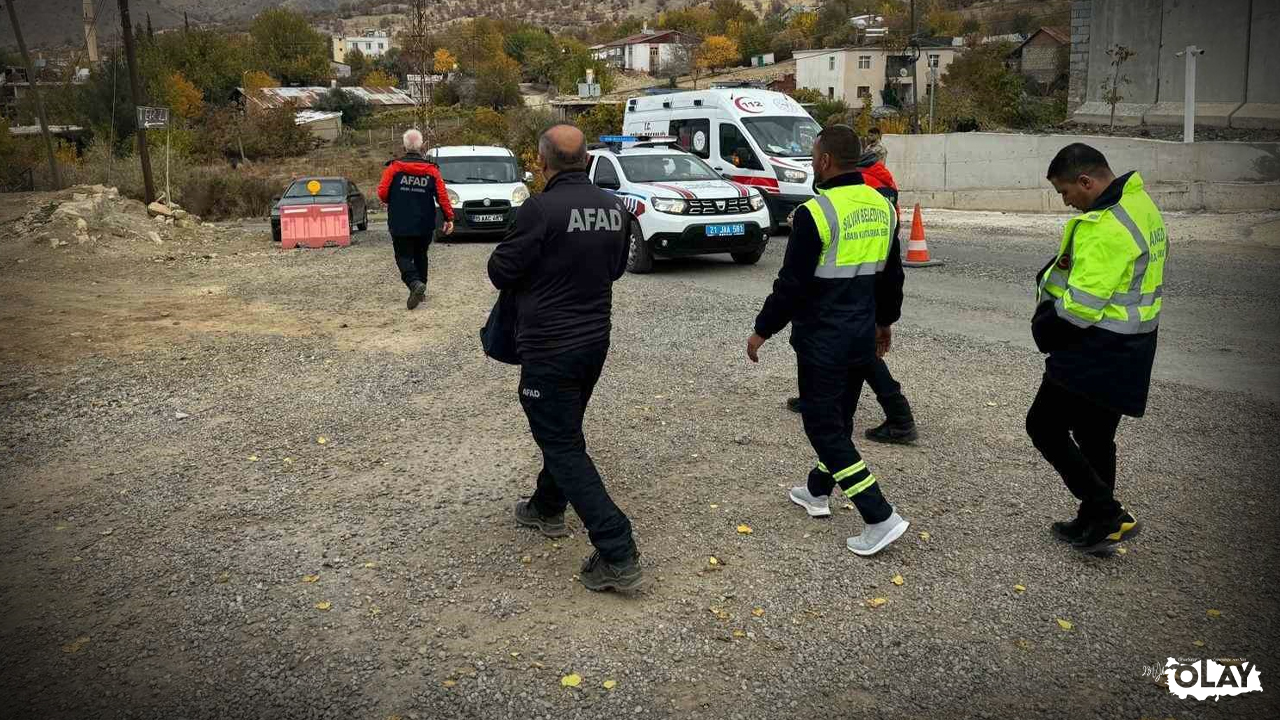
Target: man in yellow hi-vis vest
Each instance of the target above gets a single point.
(1097, 312)
(840, 288)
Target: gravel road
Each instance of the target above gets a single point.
(239, 482)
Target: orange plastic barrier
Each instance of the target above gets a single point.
(314, 226)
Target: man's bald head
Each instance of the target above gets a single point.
(563, 148)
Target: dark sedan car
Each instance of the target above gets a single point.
(331, 192)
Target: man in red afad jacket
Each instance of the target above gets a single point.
(410, 188)
(899, 424)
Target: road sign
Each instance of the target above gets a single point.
(150, 118)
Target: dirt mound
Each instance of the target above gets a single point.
(98, 216)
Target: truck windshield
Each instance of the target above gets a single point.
(476, 170)
(666, 168)
(783, 136)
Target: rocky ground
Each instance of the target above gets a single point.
(240, 482)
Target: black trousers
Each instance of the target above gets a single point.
(1077, 437)
(888, 393)
(554, 392)
(411, 257)
(828, 401)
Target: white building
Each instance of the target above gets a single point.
(647, 51)
(850, 73)
(373, 43)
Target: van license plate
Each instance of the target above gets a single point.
(489, 218)
(726, 230)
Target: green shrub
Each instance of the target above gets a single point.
(219, 194)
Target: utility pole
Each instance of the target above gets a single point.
(135, 86)
(91, 31)
(914, 54)
(35, 93)
(418, 24)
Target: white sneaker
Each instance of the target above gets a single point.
(815, 506)
(876, 536)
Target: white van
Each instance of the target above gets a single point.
(753, 137)
(486, 186)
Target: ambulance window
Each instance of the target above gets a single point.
(735, 149)
(693, 135)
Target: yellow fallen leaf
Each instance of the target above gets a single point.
(253, 458)
(1065, 624)
(848, 506)
(758, 612)
(714, 506)
(526, 559)
(224, 577)
(60, 527)
(450, 683)
(739, 633)
(744, 529)
(370, 565)
(1019, 588)
(571, 680)
(324, 605)
(1198, 643)
(610, 684)
(991, 404)
(374, 611)
(1122, 551)
(75, 645)
(877, 602)
(1214, 613)
(924, 536)
(77, 558)
(322, 440)
(712, 560)
(536, 664)
(515, 654)
(310, 578)
(897, 580)
(719, 612)
(288, 461)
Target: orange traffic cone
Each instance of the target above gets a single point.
(917, 250)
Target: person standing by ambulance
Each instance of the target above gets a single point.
(561, 256)
(840, 289)
(1097, 315)
(411, 188)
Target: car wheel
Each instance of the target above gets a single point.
(275, 232)
(639, 254)
(364, 222)
(750, 257)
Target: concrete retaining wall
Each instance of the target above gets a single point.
(994, 171)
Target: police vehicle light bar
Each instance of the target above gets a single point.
(613, 139)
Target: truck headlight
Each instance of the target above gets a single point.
(757, 201)
(454, 200)
(519, 195)
(791, 176)
(669, 205)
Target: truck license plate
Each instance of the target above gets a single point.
(726, 230)
(489, 218)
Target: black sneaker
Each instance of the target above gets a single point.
(1102, 537)
(598, 574)
(793, 404)
(550, 525)
(889, 432)
(416, 294)
(1068, 532)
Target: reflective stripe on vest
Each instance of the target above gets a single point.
(829, 226)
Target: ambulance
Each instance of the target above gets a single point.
(753, 137)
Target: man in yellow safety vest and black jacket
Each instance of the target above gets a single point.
(1097, 313)
(840, 288)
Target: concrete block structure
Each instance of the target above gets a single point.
(1236, 84)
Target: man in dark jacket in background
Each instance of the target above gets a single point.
(561, 257)
(411, 188)
(899, 424)
(1097, 317)
(840, 289)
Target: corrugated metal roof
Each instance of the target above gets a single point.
(305, 97)
(302, 117)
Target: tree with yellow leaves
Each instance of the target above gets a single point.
(443, 61)
(718, 52)
(182, 96)
(378, 78)
(257, 80)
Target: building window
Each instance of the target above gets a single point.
(933, 60)
(864, 62)
(864, 91)
(831, 63)
(831, 93)
(381, 46)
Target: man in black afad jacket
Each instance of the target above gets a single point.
(840, 298)
(560, 258)
(411, 187)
